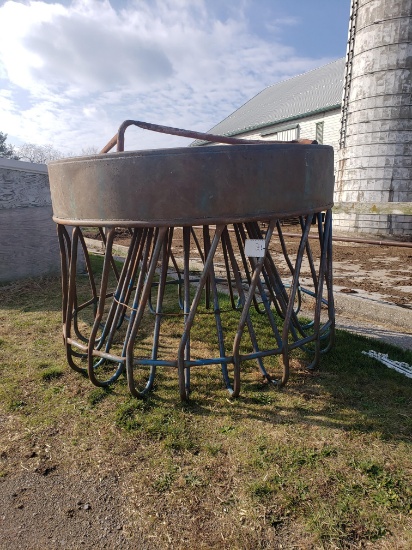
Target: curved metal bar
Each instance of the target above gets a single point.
(70, 304)
(112, 262)
(64, 245)
(179, 280)
(124, 288)
(119, 137)
(289, 317)
(220, 332)
(227, 268)
(190, 318)
(315, 278)
(186, 305)
(245, 312)
(242, 301)
(241, 238)
(142, 291)
(166, 251)
(206, 245)
(91, 366)
(94, 299)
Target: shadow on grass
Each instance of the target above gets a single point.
(349, 392)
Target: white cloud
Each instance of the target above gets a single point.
(88, 66)
(275, 24)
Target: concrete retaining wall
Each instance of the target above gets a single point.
(28, 239)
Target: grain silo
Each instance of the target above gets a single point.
(375, 155)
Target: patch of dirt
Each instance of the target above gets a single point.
(383, 272)
(52, 509)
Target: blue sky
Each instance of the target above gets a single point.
(72, 71)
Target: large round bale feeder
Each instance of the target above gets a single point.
(205, 224)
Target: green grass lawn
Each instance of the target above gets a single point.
(325, 462)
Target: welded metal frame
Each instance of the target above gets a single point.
(150, 266)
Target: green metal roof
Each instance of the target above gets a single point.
(315, 91)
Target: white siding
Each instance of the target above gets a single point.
(331, 127)
(307, 129)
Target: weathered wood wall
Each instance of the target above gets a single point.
(28, 240)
